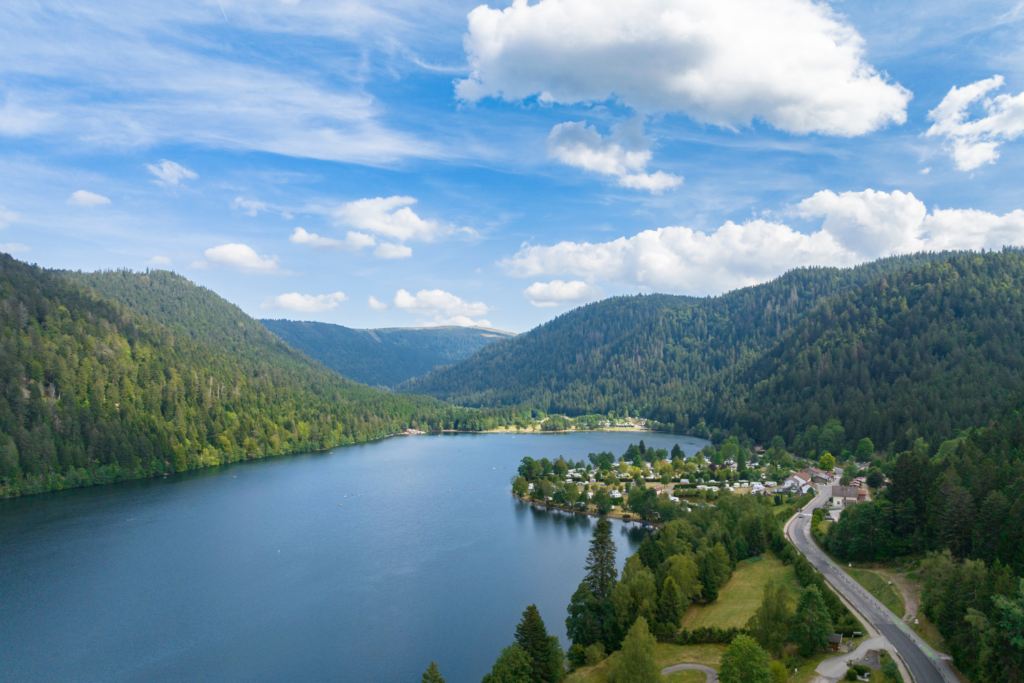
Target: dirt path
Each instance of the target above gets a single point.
(908, 590)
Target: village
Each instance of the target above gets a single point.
(652, 485)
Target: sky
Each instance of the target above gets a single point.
(397, 164)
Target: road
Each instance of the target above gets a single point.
(924, 664)
(708, 671)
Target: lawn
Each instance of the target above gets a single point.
(741, 597)
(929, 633)
(665, 654)
(880, 588)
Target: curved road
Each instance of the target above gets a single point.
(925, 665)
(708, 671)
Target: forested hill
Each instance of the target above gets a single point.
(898, 348)
(120, 375)
(383, 357)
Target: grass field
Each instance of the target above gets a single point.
(930, 633)
(741, 597)
(879, 587)
(665, 654)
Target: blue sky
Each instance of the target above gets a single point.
(502, 164)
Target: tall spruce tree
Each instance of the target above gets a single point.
(600, 565)
(635, 664)
(670, 608)
(769, 625)
(532, 637)
(432, 674)
(812, 624)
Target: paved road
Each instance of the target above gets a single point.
(924, 663)
(708, 671)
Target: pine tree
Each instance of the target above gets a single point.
(812, 624)
(532, 637)
(769, 625)
(432, 674)
(670, 608)
(512, 666)
(635, 664)
(600, 565)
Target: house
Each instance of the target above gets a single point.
(834, 641)
(820, 476)
(798, 480)
(846, 495)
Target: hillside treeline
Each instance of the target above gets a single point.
(895, 350)
(121, 375)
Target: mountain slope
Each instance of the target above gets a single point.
(383, 357)
(746, 361)
(93, 390)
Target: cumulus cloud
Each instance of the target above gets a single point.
(354, 241)
(558, 293)
(974, 143)
(7, 217)
(170, 173)
(305, 303)
(86, 198)
(857, 227)
(14, 248)
(376, 305)
(577, 144)
(250, 207)
(159, 261)
(392, 218)
(794, 64)
(239, 256)
(392, 251)
(447, 308)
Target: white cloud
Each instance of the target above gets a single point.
(240, 256)
(14, 248)
(794, 64)
(251, 206)
(857, 227)
(392, 217)
(974, 143)
(577, 144)
(305, 303)
(160, 261)
(376, 305)
(170, 173)
(354, 241)
(86, 198)
(7, 217)
(392, 251)
(558, 292)
(446, 308)
(126, 76)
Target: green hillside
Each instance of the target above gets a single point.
(383, 357)
(899, 348)
(119, 375)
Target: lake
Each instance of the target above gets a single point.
(360, 564)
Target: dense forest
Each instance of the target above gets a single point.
(897, 349)
(118, 375)
(383, 357)
(964, 504)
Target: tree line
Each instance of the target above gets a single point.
(120, 375)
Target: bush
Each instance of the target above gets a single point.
(594, 654)
(709, 635)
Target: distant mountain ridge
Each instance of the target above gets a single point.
(908, 346)
(387, 356)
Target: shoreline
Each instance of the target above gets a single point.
(587, 513)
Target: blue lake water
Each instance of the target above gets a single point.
(254, 572)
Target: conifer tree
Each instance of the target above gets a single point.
(512, 666)
(601, 572)
(812, 624)
(769, 625)
(432, 674)
(532, 637)
(635, 664)
(670, 608)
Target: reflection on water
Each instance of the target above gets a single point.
(273, 570)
